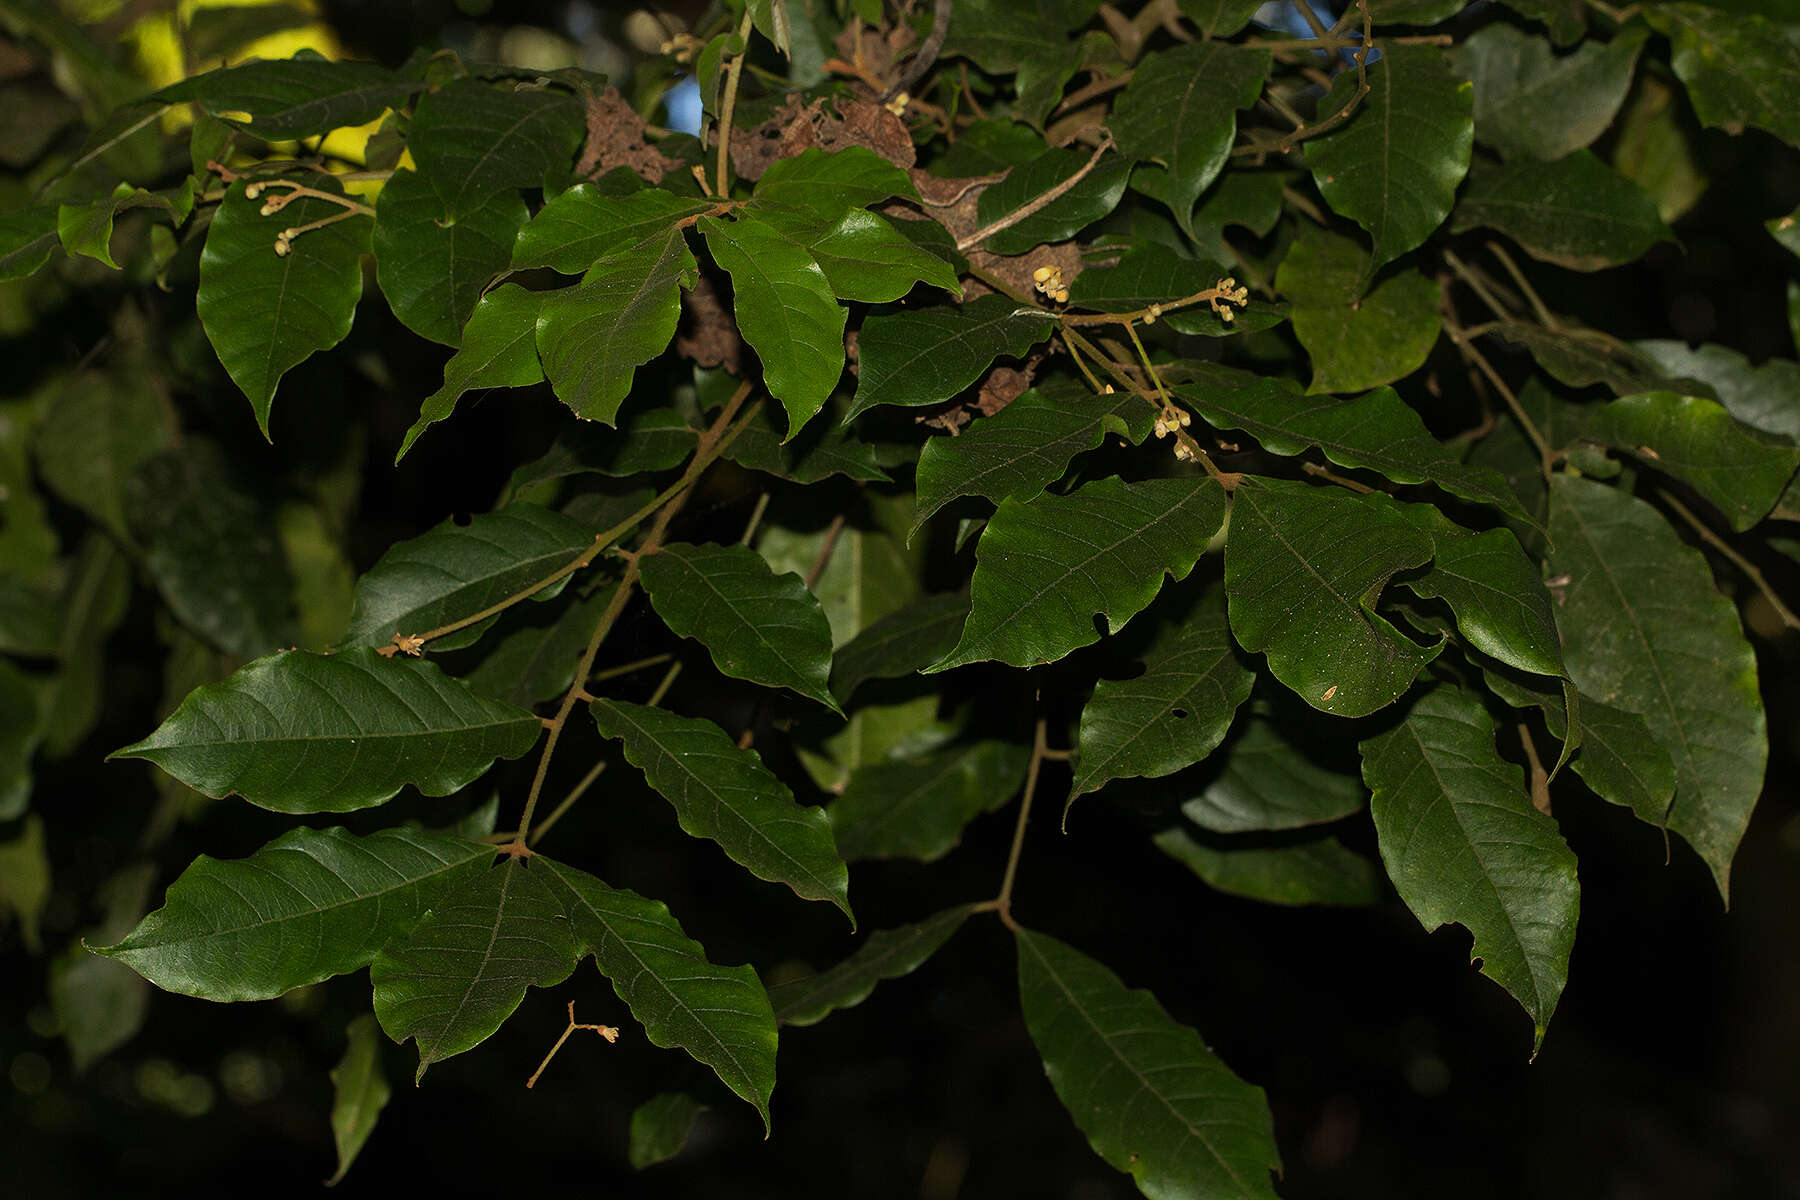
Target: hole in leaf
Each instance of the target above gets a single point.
(1180, 714)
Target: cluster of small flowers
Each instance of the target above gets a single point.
(1049, 281)
(1229, 293)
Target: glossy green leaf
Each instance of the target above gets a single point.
(312, 904)
(1304, 567)
(1246, 198)
(785, 310)
(757, 625)
(1645, 630)
(726, 794)
(718, 1015)
(888, 954)
(1037, 52)
(210, 548)
(1494, 591)
(1151, 1098)
(1047, 568)
(1144, 277)
(1269, 781)
(862, 255)
(592, 338)
(817, 452)
(1356, 341)
(1576, 212)
(1317, 870)
(303, 96)
(826, 183)
(926, 356)
(1740, 69)
(1741, 470)
(1393, 167)
(1463, 844)
(492, 932)
(455, 571)
(359, 1092)
(27, 239)
(1531, 102)
(917, 807)
(472, 139)
(1093, 197)
(1377, 431)
(305, 733)
(266, 312)
(1171, 716)
(498, 348)
(1025, 447)
(97, 433)
(1617, 758)
(660, 1128)
(434, 255)
(583, 225)
(900, 643)
(1766, 396)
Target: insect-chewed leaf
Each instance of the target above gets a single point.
(900, 643)
(583, 225)
(660, 1128)
(1046, 568)
(1310, 870)
(492, 932)
(916, 808)
(455, 571)
(1462, 843)
(926, 356)
(359, 1092)
(311, 904)
(888, 954)
(726, 794)
(1303, 569)
(1269, 782)
(757, 625)
(1171, 716)
(306, 733)
(719, 1015)
(1576, 212)
(1531, 101)
(1151, 1098)
(1639, 612)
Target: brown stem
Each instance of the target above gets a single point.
(1002, 903)
(606, 1031)
(1751, 570)
(727, 109)
(1037, 203)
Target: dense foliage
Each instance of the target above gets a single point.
(1138, 416)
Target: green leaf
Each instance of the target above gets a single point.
(770, 18)
(1025, 447)
(817, 452)
(916, 807)
(1151, 1098)
(660, 1128)
(455, 571)
(306, 733)
(1494, 591)
(434, 259)
(359, 1092)
(1740, 69)
(1763, 396)
(1377, 431)
(98, 432)
(926, 356)
(900, 643)
(1180, 112)
(20, 733)
(312, 904)
(211, 549)
(1658, 145)
(87, 229)
(1171, 716)
(1036, 51)
(719, 1015)
(1645, 630)
(303, 96)
(28, 618)
(1580, 357)
(498, 348)
(27, 238)
(592, 338)
(785, 310)
(1741, 470)
(1394, 165)
(25, 881)
(1144, 277)
(642, 441)
(1047, 568)
(862, 255)
(1304, 567)
(1566, 19)
(583, 225)
(1356, 341)
(1318, 870)
(888, 954)
(533, 658)
(212, 34)
(101, 1004)
(826, 183)
(493, 932)
(1219, 18)
(1463, 844)
(472, 139)
(1576, 212)
(1531, 102)
(1786, 230)
(92, 602)
(1269, 781)
(266, 312)
(757, 625)
(726, 794)
(1093, 197)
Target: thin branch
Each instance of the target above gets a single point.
(568, 802)
(928, 52)
(729, 105)
(1751, 570)
(608, 1032)
(1002, 903)
(825, 548)
(1037, 203)
(1544, 315)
